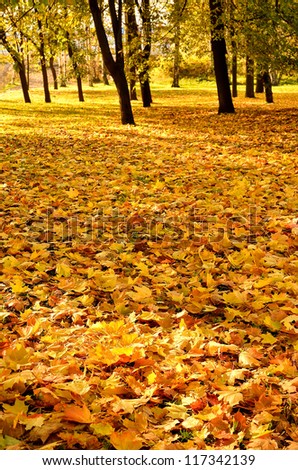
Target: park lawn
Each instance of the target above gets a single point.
(149, 284)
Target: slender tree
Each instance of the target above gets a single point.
(177, 37)
(54, 73)
(249, 81)
(42, 54)
(268, 87)
(20, 64)
(219, 50)
(71, 53)
(145, 14)
(133, 45)
(115, 65)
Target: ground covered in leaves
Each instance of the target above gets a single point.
(149, 273)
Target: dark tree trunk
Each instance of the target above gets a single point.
(144, 11)
(234, 74)
(28, 69)
(47, 96)
(24, 83)
(219, 50)
(146, 93)
(75, 68)
(234, 52)
(80, 88)
(176, 65)
(249, 82)
(114, 66)
(105, 74)
(268, 87)
(43, 64)
(18, 60)
(54, 73)
(260, 84)
(177, 31)
(134, 46)
(124, 98)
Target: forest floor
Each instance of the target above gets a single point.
(149, 273)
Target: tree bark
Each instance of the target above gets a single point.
(144, 11)
(249, 82)
(234, 72)
(43, 64)
(133, 43)
(219, 50)
(260, 84)
(146, 93)
(234, 52)
(54, 73)
(177, 32)
(105, 74)
(75, 68)
(268, 87)
(62, 70)
(114, 66)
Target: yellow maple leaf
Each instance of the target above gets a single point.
(142, 294)
(72, 193)
(231, 397)
(63, 270)
(235, 297)
(263, 282)
(272, 324)
(86, 300)
(268, 338)
(176, 297)
(18, 408)
(18, 286)
(102, 429)
(151, 378)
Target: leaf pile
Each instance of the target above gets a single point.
(149, 275)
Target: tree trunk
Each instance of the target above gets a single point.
(114, 66)
(260, 84)
(145, 54)
(28, 68)
(133, 89)
(249, 83)
(146, 93)
(75, 68)
(124, 98)
(177, 31)
(134, 46)
(80, 88)
(54, 73)
(62, 70)
(47, 96)
(105, 74)
(19, 64)
(234, 73)
(43, 64)
(274, 78)
(268, 87)
(218, 45)
(24, 83)
(234, 51)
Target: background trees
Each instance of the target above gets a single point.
(129, 38)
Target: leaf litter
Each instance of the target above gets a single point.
(149, 278)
